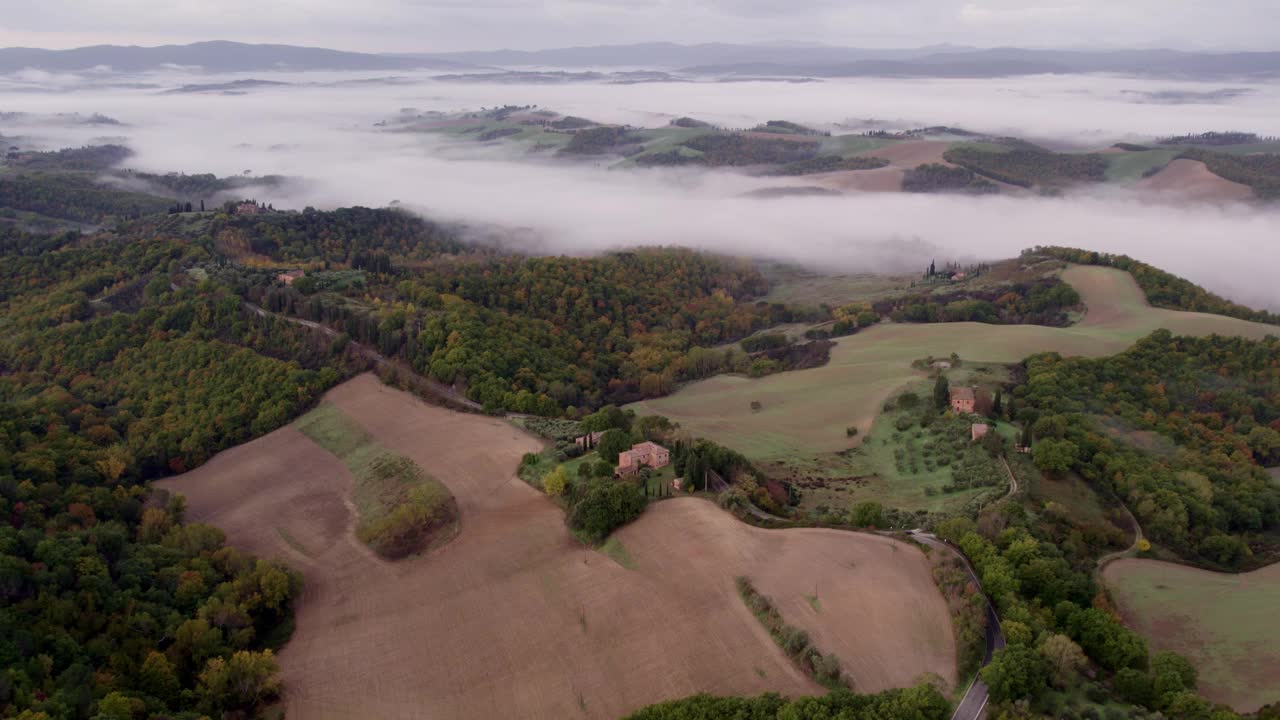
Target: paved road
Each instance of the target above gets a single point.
(974, 702)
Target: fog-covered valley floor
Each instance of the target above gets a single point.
(322, 128)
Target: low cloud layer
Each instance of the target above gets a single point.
(327, 136)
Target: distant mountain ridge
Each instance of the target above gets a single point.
(214, 56)
(721, 59)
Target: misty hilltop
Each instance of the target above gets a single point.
(215, 56)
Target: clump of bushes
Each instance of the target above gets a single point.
(825, 669)
(602, 506)
(402, 509)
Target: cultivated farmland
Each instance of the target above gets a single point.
(805, 412)
(1225, 624)
(515, 615)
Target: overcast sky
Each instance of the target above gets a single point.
(444, 25)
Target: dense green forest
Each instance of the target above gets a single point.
(112, 606)
(359, 237)
(545, 335)
(935, 177)
(1163, 289)
(91, 158)
(719, 150)
(1027, 167)
(1180, 428)
(75, 197)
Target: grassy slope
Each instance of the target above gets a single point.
(806, 412)
(391, 492)
(1225, 624)
(1131, 166)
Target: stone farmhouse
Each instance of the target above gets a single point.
(646, 454)
(963, 400)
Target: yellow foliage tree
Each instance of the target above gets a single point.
(556, 481)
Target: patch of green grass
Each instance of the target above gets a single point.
(1223, 623)
(805, 412)
(1132, 166)
(614, 548)
(401, 510)
(814, 603)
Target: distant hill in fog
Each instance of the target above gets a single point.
(934, 61)
(217, 56)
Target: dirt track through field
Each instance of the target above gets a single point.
(515, 618)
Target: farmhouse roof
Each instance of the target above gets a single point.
(648, 447)
(962, 393)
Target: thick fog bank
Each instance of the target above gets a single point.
(325, 133)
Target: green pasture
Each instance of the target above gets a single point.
(805, 412)
(1225, 624)
(1131, 166)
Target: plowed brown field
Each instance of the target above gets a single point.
(516, 619)
(1192, 180)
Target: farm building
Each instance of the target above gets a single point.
(288, 277)
(248, 208)
(641, 455)
(963, 400)
(588, 441)
(978, 431)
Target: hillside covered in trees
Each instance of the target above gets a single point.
(1214, 402)
(111, 605)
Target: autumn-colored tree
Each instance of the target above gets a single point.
(555, 482)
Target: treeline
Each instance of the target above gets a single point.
(922, 702)
(1163, 289)
(200, 186)
(76, 197)
(1026, 167)
(830, 163)
(1261, 172)
(340, 236)
(935, 177)
(110, 606)
(1216, 399)
(1045, 301)
(1212, 138)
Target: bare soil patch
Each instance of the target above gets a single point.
(1192, 180)
(907, 155)
(514, 617)
(885, 179)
